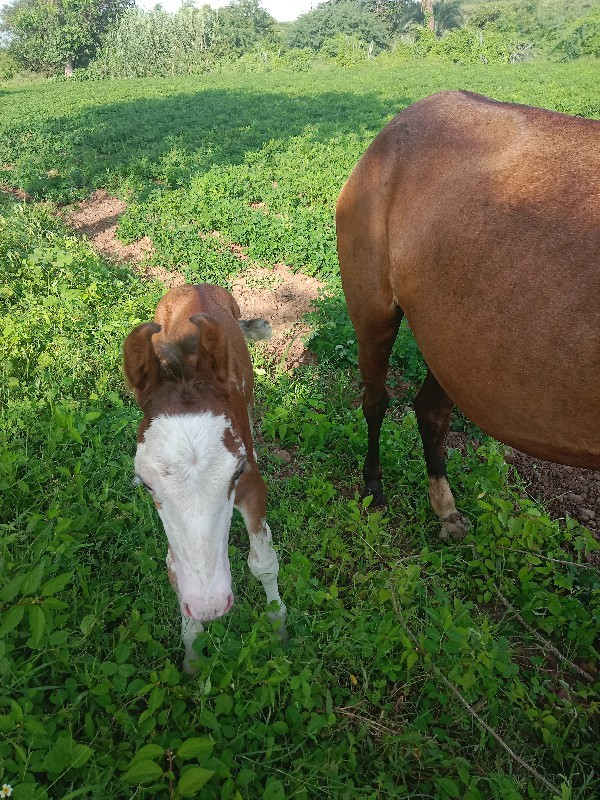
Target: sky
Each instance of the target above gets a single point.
(282, 10)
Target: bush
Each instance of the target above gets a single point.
(423, 38)
(399, 52)
(144, 44)
(469, 46)
(346, 50)
(8, 66)
(297, 59)
(581, 38)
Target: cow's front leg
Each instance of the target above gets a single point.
(251, 501)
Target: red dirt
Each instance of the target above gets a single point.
(279, 295)
(97, 218)
(18, 194)
(282, 297)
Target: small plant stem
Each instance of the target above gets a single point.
(553, 560)
(495, 735)
(170, 760)
(471, 710)
(544, 642)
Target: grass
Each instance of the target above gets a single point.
(384, 618)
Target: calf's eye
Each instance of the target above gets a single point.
(239, 471)
(140, 482)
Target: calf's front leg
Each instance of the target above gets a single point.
(190, 628)
(251, 502)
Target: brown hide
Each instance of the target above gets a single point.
(173, 314)
(217, 373)
(481, 221)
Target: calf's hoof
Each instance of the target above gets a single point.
(277, 620)
(190, 664)
(454, 526)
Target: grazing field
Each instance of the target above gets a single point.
(415, 668)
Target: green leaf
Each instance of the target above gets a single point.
(37, 624)
(274, 791)
(11, 589)
(143, 771)
(411, 659)
(192, 780)
(223, 704)
(450, 786)
(55, 584)
(11, 619)
(200, 747)
(52, 602)
(80, 755)
(7, 723)
(32, 580)
(148, 751)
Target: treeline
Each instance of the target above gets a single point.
(114, 38)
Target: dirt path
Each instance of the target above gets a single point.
(279, 295)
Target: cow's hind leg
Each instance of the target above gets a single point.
(375, 342)
(434, 408)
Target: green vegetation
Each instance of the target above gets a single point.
(49, 36)
(118, 40)
(385, 620)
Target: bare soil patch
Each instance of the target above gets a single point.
(564, 490)
(279, 295)
(282, 297)
(97, 218)
(18, 194)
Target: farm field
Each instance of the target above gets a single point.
(409, 658)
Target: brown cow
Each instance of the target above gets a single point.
(192, 377)
(480, 221)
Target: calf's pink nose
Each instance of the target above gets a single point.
(203, 612)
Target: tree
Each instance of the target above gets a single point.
(45, 35)
(241, 25)
(350, 17)
(427, 6)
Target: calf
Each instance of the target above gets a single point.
(191, 374)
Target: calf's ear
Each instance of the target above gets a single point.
(214, 363)
(142, 368)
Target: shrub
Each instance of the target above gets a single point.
(581, 38)
(399, 52)
(346, 50)
(297, 59)
(469, 46)
(143, 44)
(8, 66)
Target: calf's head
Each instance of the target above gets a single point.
(190, 455)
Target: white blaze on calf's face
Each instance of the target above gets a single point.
(184, 462)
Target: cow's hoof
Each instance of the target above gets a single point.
(376, 492)
(454, 526)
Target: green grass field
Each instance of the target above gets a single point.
(386, 622)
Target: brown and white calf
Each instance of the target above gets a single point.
(192, 377)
